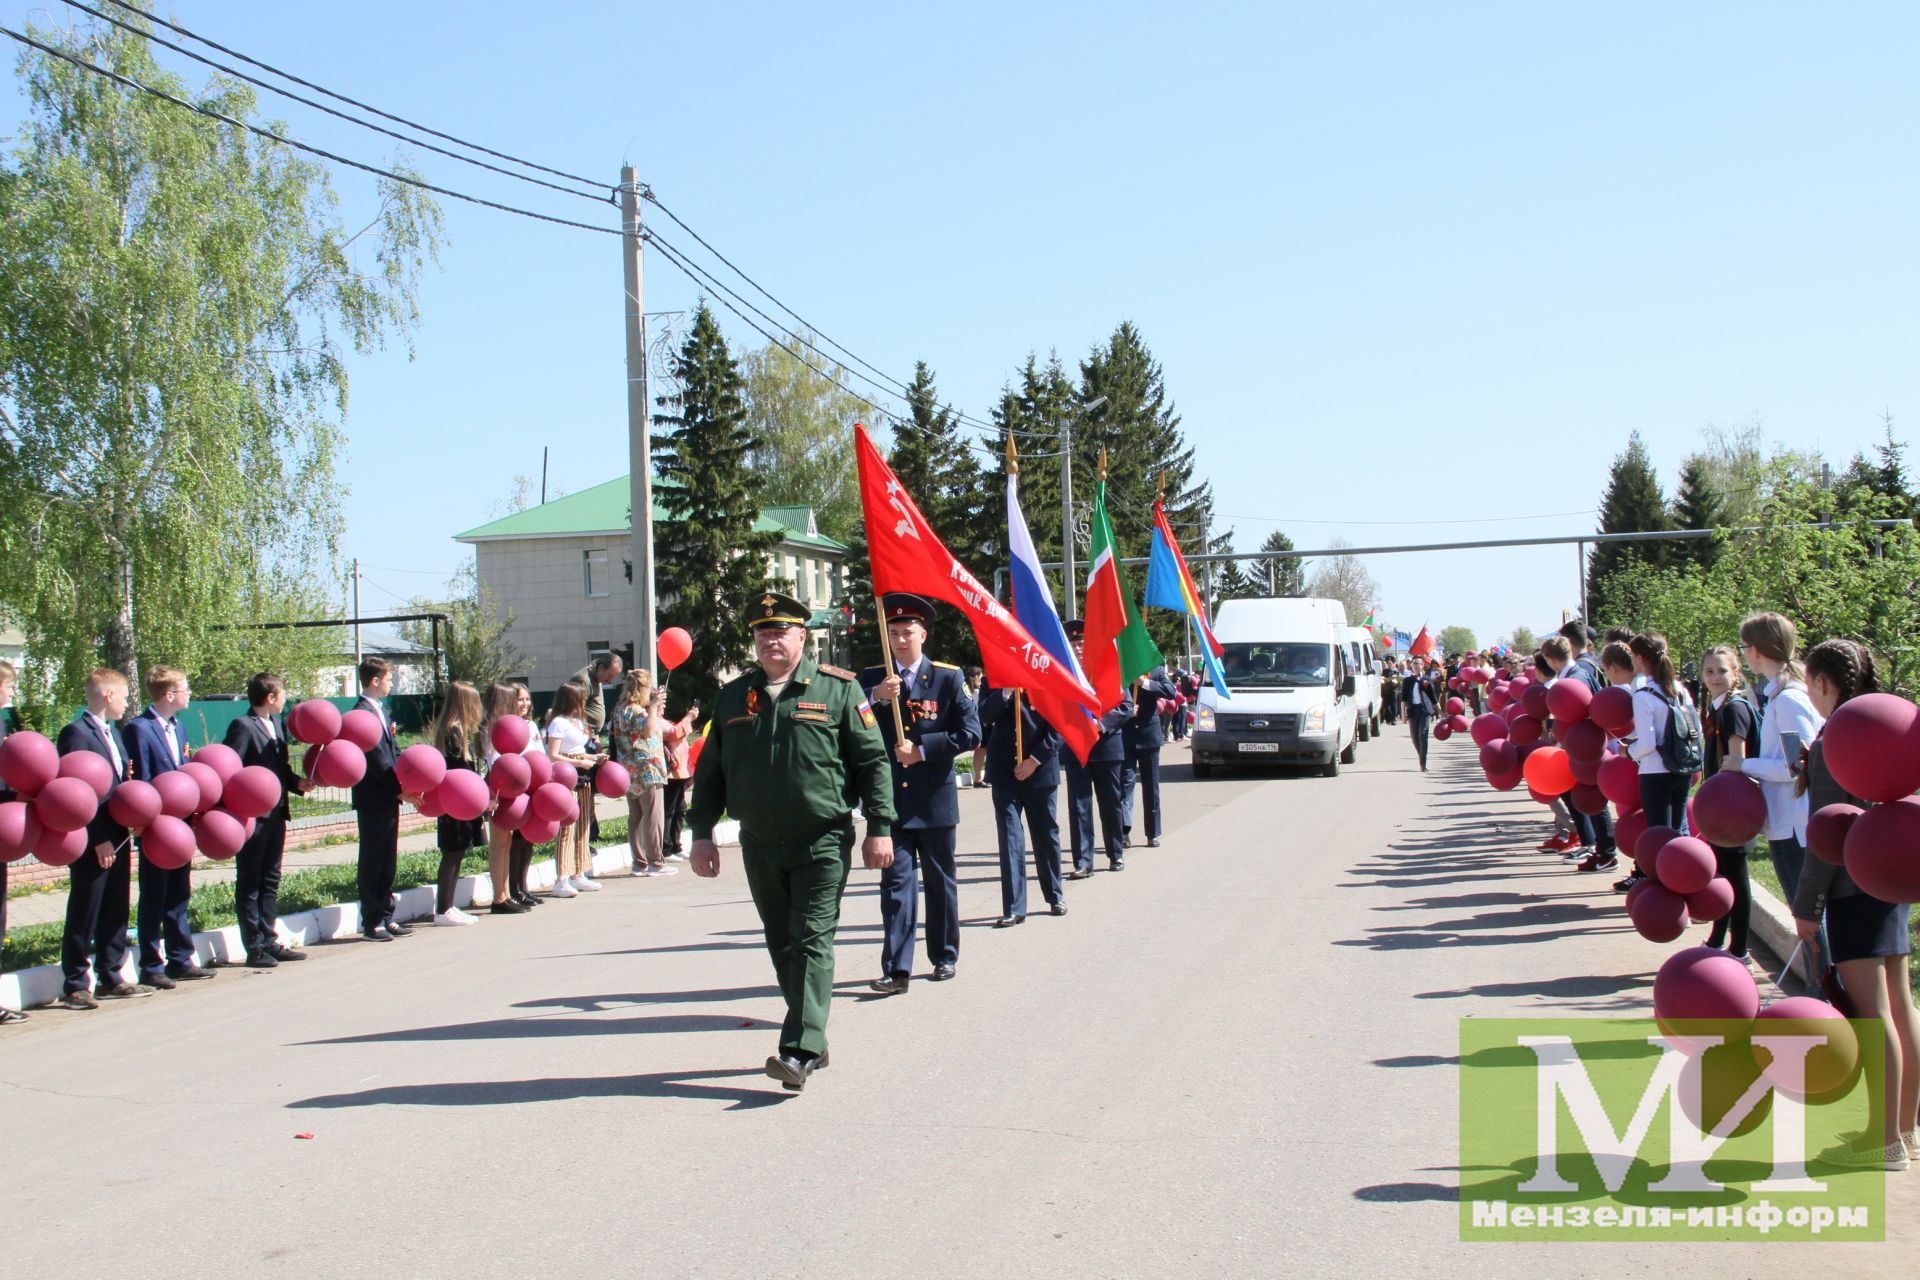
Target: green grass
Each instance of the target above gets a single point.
(305, 807)
(1760, 871)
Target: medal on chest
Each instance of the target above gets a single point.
(753, 702)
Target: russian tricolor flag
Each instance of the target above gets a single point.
(1032, 600)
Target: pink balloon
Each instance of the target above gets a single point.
(90, 769)
(336, 764)
(1827, 831)
(611, 780)
(1827, 1067)
(1872, 746)
(60, 848)
(19, 830)
(1729, 810)
(539, 831)
(430, 805)
(219, 834)
(512, 813)
(1882, 851)
(220, 758)
(1499, 757)
(66, 804)
(1711, 902)
(211, 788)
(1488, 729)
(1524, 730)
(1685, 865)
(1567, 701)
(1497, 698)
(463, 794)
(1443, 730)
(510, 735)
(135, 804)
(539, 770)
(565, 774)
(28, 762)
(1633, 894)
(362, 728)
(1512, 711)
(1659, 914)
(168, 842)
(179, 794)
(253, 792)
(314, 721)
(419, 769)
(1612, 709)
(1704, 983)
(551, 802)
(1455, 706)
(510, 775)
(1620, 779)
(1456, 724)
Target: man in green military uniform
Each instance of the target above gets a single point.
(791, 747)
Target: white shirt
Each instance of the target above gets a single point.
(113, 745)
(567, 735)
(166, 731)
(1788, 710)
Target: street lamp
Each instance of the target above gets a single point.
(1066, 502)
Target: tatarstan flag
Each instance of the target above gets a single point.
(1368, 624)
(1118, 648)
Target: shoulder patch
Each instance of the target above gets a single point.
(841, 672)
(945, 666)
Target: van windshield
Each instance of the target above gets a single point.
(1276, 666)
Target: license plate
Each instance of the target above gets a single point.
(1261, 747)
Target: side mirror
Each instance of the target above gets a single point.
(1346, 687)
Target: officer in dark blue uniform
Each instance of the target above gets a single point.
(1025, 784)
(1097, 781)
(940, 722)
(1143, 740)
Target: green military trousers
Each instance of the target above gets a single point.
(796, 888)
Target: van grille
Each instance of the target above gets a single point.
(1279, 725)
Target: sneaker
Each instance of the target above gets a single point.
(1594, 862)
(664, 870)
(81, 999)
(1559, 844)
(1621, 886)
(1867, 1153)
(562, 889)
(1576, 851)
(452, 919)
(640, 870)
(586, 884)
(676, 856)
(1912, 1138)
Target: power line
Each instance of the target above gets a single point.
(269, 134)
(340, 97)
(1543, 515)
(321, 106)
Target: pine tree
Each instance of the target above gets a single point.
(1697, 505)
(1032, 413)
(1276, 576)
(710, 562)
(1633, 503)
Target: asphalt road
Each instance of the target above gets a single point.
(1237, 1058)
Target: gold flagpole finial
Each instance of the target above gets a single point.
(1103, 463)
(1161, 494)
(1013, 455)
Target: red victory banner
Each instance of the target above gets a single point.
(907, 555)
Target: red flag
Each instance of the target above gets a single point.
(907, 556)
(1422, 645)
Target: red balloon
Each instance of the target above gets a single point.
(1443, 730)
(1659, 914)
(1627, 829)
(1585, 797)
(539, 831)
(253, 792)
(512, 812)
(463, 794)
(1620, 779)
(1488, 729)
(168, 842)
(1541, 796)
(1547, 772)
(314, 721)
(1685, 865)
(1711, 902)
(336, 764)
(611, 780)
(207, 780)
(565, 774)
(1646, 849)
(1568, 700)
(1827, 831)
(219, 834)
(1456, 706)
(1499, 757)
(1704, 983)
(90, 769)
(65, 804)
(510, 775)
(1827, 1067)
(539, 770)
(1583, 739)
(1882, 851)
(419, 769)
(510, 735)
(1872, 746)
(1729, 810)
(550, 802)
(362, 728)
(19, 830)
(220, 758)
(1535, 701)
(1504, 781)
(673, 646)
(1524, 730)
(1612, 709)
(28, 762)
(135, 804)
(60, 848)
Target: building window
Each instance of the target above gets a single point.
(594, 567)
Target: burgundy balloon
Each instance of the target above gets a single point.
(539, 770)
(211, 788)
(1499, 757)
(19, 830)
(463, 794)
(510, 735)
(1586, 771)
(565, 774)
(219, 834)
(1633, 894)
(60, 848)
(1584, 740)
(1712, 902)
(512, 812)
(314, 721)
(1524, 730)
(1443, 730)
(28, 762)
(419, 769)
(1646, 849)
(1456, 706)
(538, 831)
(1659, 914)
(1568, 700)
(1512, 711)
(1488, 729)
(336, 764)
(1457, 723)
(1585, 797)
(1627, 828)
(1826, 1068)
(168, 842)
(1827, 831)
(1702, 983)
(134, 805)
(1620, 779)
(1535, 701)
(66, 804)
(1497, 698)
(1685, 865)
(90, 769)
(253, 792)
(430, 805)
(510, 775)
(611, 780)
(362, 728)
(220, 758)
(1872, 746)
(1504, 781)
(1882, 851)
(1612, 709)
(550, 802)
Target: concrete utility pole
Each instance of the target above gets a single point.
(1069, 604)
(356, 618)
(639, 424)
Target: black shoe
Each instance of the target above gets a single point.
(1116, 864)
(1007, 922)
(11, 1015)
(894, 984)
(507, 907)
(399, 930)
(377, 934)
(1153, 842)
(189, 973)
(942, 972)
(1079, 873)
(792, 1070)
(1058, 909)
(81, 999)
(1621, 886)
(120, 991)
(526, 899)
(286, 955)
(158, 981)
(262, 960)
(1126, 840)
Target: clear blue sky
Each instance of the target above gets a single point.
(1402, 262)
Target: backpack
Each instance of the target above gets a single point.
(1682, 749)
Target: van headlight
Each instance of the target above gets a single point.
(1316, 719)
(1203, 718)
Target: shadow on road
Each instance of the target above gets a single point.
(497, 1093)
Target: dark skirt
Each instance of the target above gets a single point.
(1860, 927)
(456, 836)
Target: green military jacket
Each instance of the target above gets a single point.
(788, 769)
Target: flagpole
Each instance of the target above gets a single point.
(886, 652)
(1019, 737)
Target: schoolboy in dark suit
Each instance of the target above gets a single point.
(156, 744)
(99, 884)
(260, 738)
(376, 809)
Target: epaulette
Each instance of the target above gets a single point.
(842, 672)
(945, 666)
